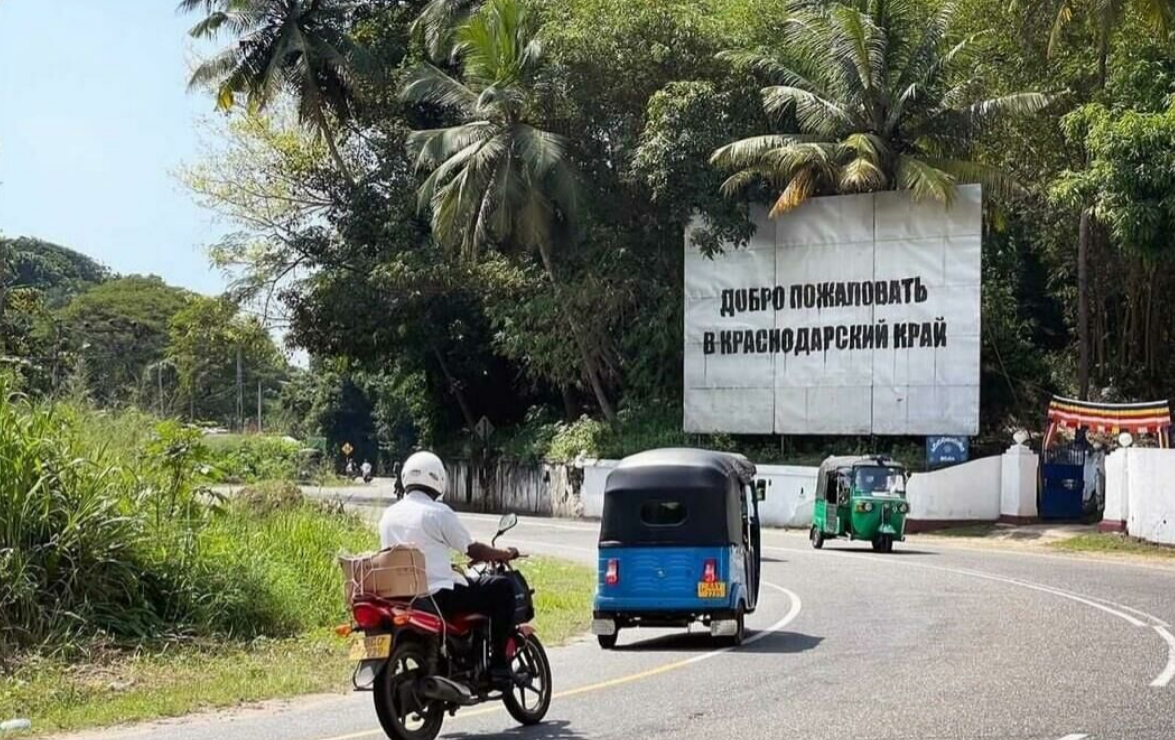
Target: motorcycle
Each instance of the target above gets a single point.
(420, 666)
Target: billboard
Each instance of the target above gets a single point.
(853, 314)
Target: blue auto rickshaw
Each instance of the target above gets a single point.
(679, 543)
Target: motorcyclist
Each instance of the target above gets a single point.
(365, 468)
(422, 521)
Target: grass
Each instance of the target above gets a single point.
(970, 530)
(116, 686)
(1114, 544)
(563, 597)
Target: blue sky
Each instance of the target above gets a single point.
(94, 119)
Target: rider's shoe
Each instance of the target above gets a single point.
(502, 678)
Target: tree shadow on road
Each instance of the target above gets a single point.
(702, 642)
(550, 730)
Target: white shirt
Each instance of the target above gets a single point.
(432, 528)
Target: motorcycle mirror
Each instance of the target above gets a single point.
(507, 522)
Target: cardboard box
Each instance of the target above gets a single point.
(395, 573)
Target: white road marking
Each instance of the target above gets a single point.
(1168, 672)
(1075, 736)
(1161, 681)
(1105, 605)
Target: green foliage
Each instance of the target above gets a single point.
(468, 154)
(268, 496)
(121, 326)
(881, 99)
(281, 46)
(210, 340)
(97, 536)
(495, 176)
(1130, 177)
(253, 458)
(55, 271)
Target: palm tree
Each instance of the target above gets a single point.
(299, 46)
(496, 178)
(876, 108)
(438, 20)
(1158, 14)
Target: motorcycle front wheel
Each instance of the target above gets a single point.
(400, 712)
(530, 698)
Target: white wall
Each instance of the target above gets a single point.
(1117, 490)
(966, 492)
(591, 491)
(1018, 483)
(1141, 483)
(791, 489)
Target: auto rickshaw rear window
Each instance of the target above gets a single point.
(663, 513)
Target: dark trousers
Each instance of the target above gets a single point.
(492, 596)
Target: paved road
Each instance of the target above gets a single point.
(931, 642)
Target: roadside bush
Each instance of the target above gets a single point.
(656, 425)
(96, 541)
(248, 459)
(267, 496)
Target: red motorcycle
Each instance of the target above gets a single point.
(420, 666)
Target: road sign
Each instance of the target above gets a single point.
(483, 429)
(348, 449)
(943, 451)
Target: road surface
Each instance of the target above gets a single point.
(931, 642)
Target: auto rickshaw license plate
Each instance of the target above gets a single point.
(370, 647)
(712, 590)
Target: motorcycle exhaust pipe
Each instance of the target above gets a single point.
(443, 689)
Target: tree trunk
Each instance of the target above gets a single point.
(590, 366)
(1083, 306)
(338, 158)
(570, 407)
(333, 148)
(455, 389)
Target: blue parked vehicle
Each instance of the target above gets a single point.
(679, 543)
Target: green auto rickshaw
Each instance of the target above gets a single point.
(862, 498)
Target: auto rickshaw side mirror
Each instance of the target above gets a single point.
(761, 490)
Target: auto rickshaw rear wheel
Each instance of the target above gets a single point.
(608, 641)
(817, 537)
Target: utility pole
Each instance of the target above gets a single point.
(240, 393)
(259, 407)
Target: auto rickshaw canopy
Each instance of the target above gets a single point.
(680, 497)
(850, 463)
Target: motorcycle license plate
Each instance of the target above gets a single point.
(370, 647)
(712, 590)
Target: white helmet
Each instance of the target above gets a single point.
(424, 470)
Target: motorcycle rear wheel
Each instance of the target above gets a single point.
(528, 704)
(399, 714)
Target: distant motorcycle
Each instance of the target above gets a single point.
(420, 666)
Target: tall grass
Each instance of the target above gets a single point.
(109, 534)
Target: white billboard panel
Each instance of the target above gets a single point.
(853, 314)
